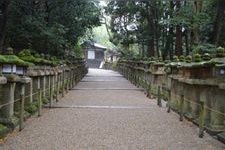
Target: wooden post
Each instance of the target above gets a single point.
(51, 91)
(40, 98)
(57, 87)
(159, 97)
(149, 90)
(22, 95)
(169, 101)
(201, 119)
(63, 82)
(145, 83)
(181, 108)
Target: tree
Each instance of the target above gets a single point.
(4, 7)
(47, 26)
(219, 21)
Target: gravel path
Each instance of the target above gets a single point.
(93, 117)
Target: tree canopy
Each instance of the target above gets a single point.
(49, 27)
(153, 28)
(167, 28)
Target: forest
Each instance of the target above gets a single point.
(137, 28)
(50, 27)
(167, 28)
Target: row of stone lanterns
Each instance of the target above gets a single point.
(36, 77)
(13, 70)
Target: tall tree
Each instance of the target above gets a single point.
(219, 21)
(178, 45)
(47, 26)
(4, 18)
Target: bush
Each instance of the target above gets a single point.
(204, 48)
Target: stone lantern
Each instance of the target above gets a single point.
(13, 68)
(13, 64)
(9, 68)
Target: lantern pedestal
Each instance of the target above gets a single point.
(8, 98)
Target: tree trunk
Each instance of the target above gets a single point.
(4, 18)
(219, 21)
(197, 10)
(47, 23)
(170, 34)
(151, 28)
(187, 42)
(178, 46)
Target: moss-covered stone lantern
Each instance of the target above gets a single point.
(14, 70)
(11, 64)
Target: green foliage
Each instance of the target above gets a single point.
(78, 51)
(141, 22)
(204, 48)
(50, 27)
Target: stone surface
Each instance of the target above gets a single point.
(101, 118)
(3, 80)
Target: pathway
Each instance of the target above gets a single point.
(106, 112)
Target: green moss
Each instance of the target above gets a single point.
(2, 126)
(220, 52)
(11, 77)
(32, 108)
(188, 59)
(12, 59)
(175, 59)
(167, 59)
(3, 131)
(25, 52)
(45, 100)
(9, 51)
(197, 58)
(37, 58)
(3, 59)
(160, 59)
(182, 58)
(152, 59)
(206, 57)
